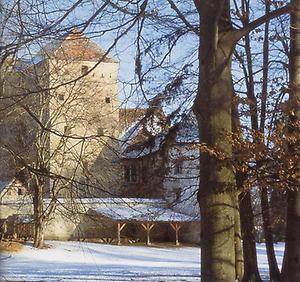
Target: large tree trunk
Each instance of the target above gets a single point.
(38, 208)
(251, 272)
(265, 207)
(217, 192)
(39, 234)
(291, 268)
(239, 258)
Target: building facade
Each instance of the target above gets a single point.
(65, 117)
(63, 122)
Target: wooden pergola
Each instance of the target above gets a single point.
(147, 217)
(176, 226)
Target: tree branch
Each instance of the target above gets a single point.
(238, 34)
(182, 17)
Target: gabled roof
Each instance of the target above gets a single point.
(76, 46)
(145, 134)
(129, 116)
(7, 183)
(142, 213)
(137, 144)
(4, 184)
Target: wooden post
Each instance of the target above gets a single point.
(176, 227)
(148, 227)
(120, 228)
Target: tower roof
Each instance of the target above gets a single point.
(75, 45)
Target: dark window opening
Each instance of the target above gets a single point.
(84, 69)
(107, 100)
(130, 173)
(61, 97)
(178, 167)
(100, 131)
(20, 191)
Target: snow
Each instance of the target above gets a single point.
(144, 214)
(79, 261)
(188, 131)
(144, 149)
(263, 260)
(113, 201)
(22, 218)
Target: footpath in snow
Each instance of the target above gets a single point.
(79, 261)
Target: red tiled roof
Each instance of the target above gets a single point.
(77, 46)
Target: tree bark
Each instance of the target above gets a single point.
(239, 258)
(38, 207)
(217, 191)
(251, 272)
(265, 207)
(291, 266)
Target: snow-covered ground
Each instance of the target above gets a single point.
(77, 261)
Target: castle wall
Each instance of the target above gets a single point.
(85, 115)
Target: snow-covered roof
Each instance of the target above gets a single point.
(4, 184)
(133, 209)
(188, 131)
(135, 145)
(143, 213)
(113, 201)
(144, 148)
(142, 138)
(74, 45)
(22, 218)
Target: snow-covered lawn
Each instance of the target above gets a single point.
(77, 261)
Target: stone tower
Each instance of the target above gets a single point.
(71, 93)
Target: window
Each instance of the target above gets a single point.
(100, 131)
(84, 69)
(107, 100)
(20, 191)
(61, 97)
(67, 130)
(178, 167)
(130, 173)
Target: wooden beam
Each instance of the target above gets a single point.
(120, 228)
(176, 227)
(148, 227)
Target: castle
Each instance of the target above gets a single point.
(63, 120)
